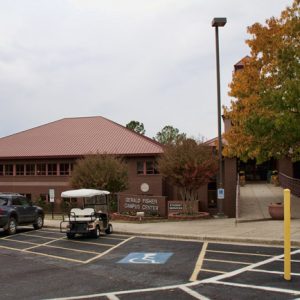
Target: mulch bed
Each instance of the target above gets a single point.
(183, 217)
(171, 217)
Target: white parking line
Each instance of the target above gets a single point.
(239, 253)
(218, 279)
(40, 245)
(193, 293)
(112, 297)
(256, 287)
(43, 254)
(228, 261)
(183, 287)
(52, 240)
(88, 243)
(40, 236)
(63, 248)
(247, 268)
(272, 272)
(109, 250)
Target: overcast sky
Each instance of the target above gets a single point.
(147, 60)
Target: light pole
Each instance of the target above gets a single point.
(219, 22)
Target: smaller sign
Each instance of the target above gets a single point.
(146, 258)
(51, 195)
(175, 206)
(221, 194)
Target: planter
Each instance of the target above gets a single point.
(276, 211)
(242, 180)
(123, 217)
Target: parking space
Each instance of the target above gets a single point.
(55, 244)
(244, 271)
(130, 267)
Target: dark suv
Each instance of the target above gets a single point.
(16, 210)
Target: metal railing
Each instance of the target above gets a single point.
(291, 183)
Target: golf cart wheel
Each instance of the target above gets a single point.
(109, 229)
(96, 232)
(70, 235)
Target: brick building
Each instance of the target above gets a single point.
(35, 161)
(42, 158)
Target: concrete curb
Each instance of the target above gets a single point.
(204, 238)
(228, 239)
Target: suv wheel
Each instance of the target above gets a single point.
(11, 226)
(39, 222)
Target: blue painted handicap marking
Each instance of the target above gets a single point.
(146, 258)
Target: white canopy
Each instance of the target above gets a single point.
(83, 193)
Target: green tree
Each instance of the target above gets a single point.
(266, 115)
(101, 171)
(136, 126)
(169, 135)
(189, 165)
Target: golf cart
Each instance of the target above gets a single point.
(92, 219)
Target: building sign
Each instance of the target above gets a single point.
(140, 203)
(151, 204)
(146, 258)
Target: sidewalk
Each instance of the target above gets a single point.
(256, 197)
(256, 226)
(226, 230)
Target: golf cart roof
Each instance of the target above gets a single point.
(83, 193)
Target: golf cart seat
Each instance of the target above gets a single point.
(82, 215)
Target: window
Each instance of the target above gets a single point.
(20, 169)
(20, 201)
(17, 201)
(52, 169)
(147, 167)
(9, 169)
(151, 167)
(41, 169)
(3, 201)
(1, 170)
(64, 169)
(140, 167)
(30, 169)
(43, 197)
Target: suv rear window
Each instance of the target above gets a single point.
(3, 201)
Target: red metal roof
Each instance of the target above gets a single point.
(77, 137)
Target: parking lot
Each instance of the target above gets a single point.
(54, 244)
(44, 264)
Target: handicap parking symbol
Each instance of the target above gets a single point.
(146, 258)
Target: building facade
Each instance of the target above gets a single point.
(41, 159)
